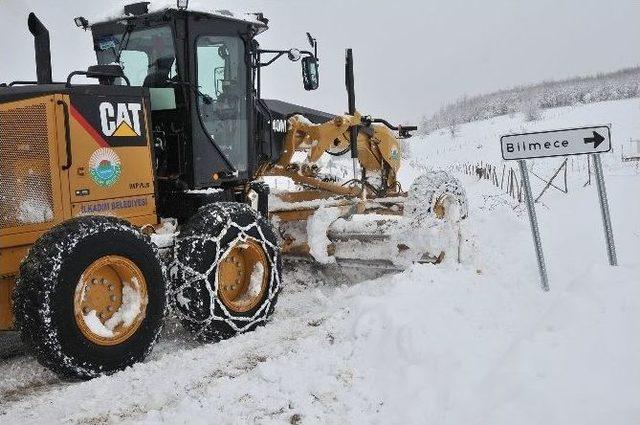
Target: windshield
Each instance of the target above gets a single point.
(147, 55)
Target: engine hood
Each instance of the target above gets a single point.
(284, 110)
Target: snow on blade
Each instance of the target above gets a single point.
(317, 239)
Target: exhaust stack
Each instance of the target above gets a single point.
(42, 49)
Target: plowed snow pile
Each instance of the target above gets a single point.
(471, 343)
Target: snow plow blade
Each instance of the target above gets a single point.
(379, 240)
(387, 233)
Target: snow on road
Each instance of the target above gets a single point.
(477, 342)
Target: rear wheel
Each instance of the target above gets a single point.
(227, 271)
(90, 298)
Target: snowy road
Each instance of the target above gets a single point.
(476, 342)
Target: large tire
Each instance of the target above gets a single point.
(60, 281)
(436, 195)
(204, 254)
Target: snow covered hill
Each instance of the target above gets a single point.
(622, 84)
(472, 343)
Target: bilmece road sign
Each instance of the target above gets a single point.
(570, 141)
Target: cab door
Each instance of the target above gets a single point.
(221, 119)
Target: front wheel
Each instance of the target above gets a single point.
(227, 271)
(436, 195)
(90, 298)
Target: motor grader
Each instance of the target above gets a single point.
(170, 127)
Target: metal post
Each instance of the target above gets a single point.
(534, 224)
(604, 209)
(588, 183)
(351, 100)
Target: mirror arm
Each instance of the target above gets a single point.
(278, 54)
(403, 130)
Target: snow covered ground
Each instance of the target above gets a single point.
(471, 343)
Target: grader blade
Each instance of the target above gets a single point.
(352, 234)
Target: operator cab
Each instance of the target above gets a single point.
(195, 67)
(210, 127)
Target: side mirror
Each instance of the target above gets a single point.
(106, 74)
(310, 76)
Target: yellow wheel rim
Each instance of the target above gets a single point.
(243, 276)
(439, 209)
(110, 300)
(442, 206)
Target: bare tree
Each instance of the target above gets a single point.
(530, 108)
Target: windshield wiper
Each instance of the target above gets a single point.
(124, 43)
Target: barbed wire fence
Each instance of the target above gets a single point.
(505, 178)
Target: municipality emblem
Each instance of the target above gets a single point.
(105, 167)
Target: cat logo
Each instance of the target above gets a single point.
(120, 119)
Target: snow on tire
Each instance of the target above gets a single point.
(436, 194)
(227, 271)
(90, 298)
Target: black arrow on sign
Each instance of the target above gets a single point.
(596, 139)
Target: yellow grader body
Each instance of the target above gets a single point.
(39, 191)
(148, 188)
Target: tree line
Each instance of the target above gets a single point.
(530, 99)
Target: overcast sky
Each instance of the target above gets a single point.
(411, 56)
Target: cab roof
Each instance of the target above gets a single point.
(195, 7)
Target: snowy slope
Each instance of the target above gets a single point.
(471, 343)
(479, 140)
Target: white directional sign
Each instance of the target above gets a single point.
(571, 141)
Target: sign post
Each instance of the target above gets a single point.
(604, 209)
(533, 221)
(545, 144)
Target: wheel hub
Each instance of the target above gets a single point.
(110, 300)
(242, 276)
(446, 207)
